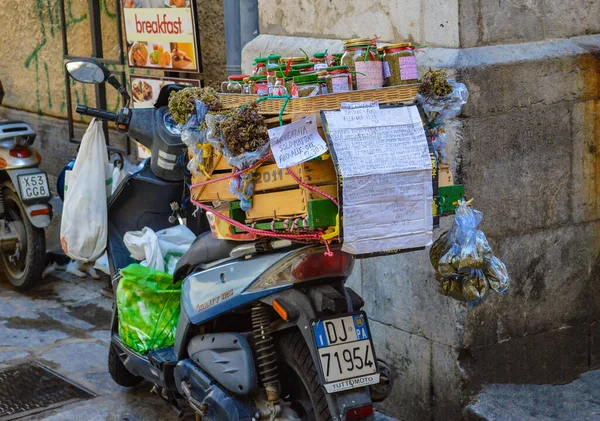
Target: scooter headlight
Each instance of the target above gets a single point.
(306, 265)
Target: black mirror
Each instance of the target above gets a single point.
(87, 71)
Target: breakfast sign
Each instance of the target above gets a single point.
(161, 35)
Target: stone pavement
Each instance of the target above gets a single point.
(575, 401)
(64, 324)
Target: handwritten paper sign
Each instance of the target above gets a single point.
(296, 142)
(384, 163)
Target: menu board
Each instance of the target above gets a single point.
(385, 177)
(161, 34)
(145, 89)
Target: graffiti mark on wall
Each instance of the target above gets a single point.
(45, 71)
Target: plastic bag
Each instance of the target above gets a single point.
(475, 252)
(174, 242)
(437, 109)
(191, 134)
(242, 186)
(475, 287)
(84, 222)
(161, 250)
(452, 287)
(143, 246)
(148, 308)
(448, 264)
(439, 146)
(440, 247)
(497, 275)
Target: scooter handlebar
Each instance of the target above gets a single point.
(94, 112)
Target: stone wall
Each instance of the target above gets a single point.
(526, 148)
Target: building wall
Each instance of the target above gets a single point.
(32, 71)
(526, 148)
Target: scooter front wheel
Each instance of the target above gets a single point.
(24, 265)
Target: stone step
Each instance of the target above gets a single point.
(575, 401)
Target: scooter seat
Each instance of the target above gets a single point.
(204, 249)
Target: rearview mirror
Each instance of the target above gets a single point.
(87, 71)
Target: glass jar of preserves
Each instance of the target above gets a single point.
(258, 85)
(334, 59)
(338, 79)
(233, 85)
(304, 68)
(319, 60)
(400, 64)
(364, 62)
(273, 62)
(306, 86)
(260, 66)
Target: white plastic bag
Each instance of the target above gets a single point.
(84, 223)
(119, 171)
(143, 246)
(174, 242)
(159, 250)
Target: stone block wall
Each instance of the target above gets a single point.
(526, 148)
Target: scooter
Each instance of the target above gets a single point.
(268, 330)
(24, 207)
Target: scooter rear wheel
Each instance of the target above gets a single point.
(299, 378)
(119, 372)
(23, 269)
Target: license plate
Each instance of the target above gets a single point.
(34, 186)
(345, 352)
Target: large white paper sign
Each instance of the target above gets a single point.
(385, 166)
(296, 142)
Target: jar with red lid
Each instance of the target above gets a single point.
(364, 62)
(234, 84)
(338, 79)
(260, 66)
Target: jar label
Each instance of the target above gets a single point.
(261, 89)
(386, 70)
(340, 84)
(371, 77)
(320, 66)
(408, 68)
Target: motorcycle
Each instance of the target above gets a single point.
(268, 330)
(24, 208)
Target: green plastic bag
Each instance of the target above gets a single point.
(148, 306)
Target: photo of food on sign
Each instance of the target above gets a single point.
(151, 4)
(161, 34)
(145, 89)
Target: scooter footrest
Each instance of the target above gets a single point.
(162, 356)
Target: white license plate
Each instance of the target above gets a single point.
(345, 352)
(34, 186)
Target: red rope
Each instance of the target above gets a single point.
(311, 188)
(233, 174)
(315, 236)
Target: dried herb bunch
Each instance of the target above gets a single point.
(182, 103)
(435, 83)
(244, 131)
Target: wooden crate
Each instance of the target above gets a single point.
(392, 94)
(276, 194)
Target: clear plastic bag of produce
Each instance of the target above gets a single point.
(191, 132)
(148, 308)
(438, 108)
(475, 252)
(497, 275)
(243, 186)
(475, 287)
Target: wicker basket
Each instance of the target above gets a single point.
(393, 94)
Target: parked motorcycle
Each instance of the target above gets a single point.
(24, 207)
(267, 330)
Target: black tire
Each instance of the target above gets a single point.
(25, 272)
(119, 372)
(299, 378)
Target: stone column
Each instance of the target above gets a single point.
(526, 148)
